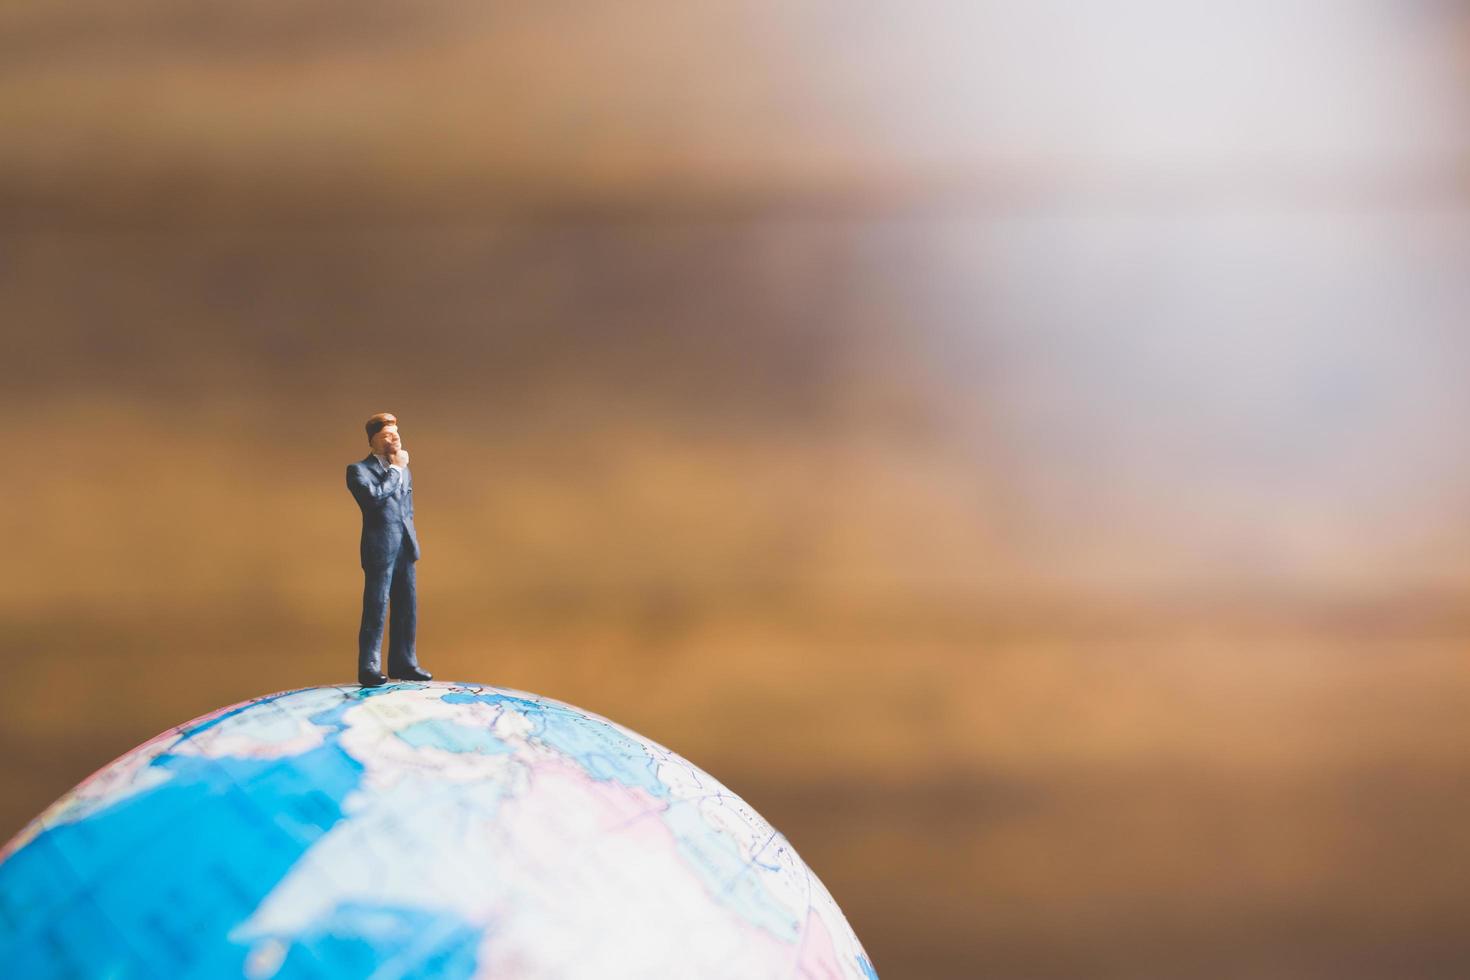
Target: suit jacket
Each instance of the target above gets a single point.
(385, 496)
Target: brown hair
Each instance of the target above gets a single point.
(379, 422)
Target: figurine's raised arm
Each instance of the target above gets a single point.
(366, 489)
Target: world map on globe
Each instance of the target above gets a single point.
(417, 829)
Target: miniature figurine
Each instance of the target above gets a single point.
(383, 487)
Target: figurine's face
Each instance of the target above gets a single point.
(386, 441)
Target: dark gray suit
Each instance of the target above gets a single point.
(389, 547)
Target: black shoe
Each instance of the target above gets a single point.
(410, 674)
(370, 678)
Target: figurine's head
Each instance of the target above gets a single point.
(382, 433)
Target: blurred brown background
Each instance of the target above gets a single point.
(1021, 448)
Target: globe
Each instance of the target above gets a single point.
(445, 830)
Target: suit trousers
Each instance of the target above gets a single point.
(384, 584)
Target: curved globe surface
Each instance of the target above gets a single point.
(411, 830)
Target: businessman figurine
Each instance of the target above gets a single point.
(383, 487)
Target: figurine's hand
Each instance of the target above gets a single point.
(400, 458)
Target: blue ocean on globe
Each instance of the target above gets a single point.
(411, 830)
